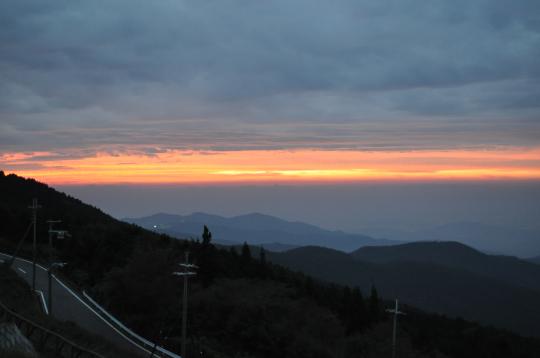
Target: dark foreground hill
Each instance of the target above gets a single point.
(256, 229)
(507, 269)
(240, 306)
(435, 283)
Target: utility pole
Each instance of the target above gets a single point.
(395, 312)
(51, 223)
(34, 208)
(186, 273)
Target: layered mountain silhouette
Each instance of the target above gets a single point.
(443, 277)
(256, 229)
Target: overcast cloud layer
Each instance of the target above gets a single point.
(108, 75)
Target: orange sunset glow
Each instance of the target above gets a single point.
(298, 166)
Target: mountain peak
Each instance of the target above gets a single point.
(422, 251)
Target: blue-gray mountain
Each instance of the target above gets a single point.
(523, 242)
(256, 229)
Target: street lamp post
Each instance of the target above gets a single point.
(60, 234)
(186, 273)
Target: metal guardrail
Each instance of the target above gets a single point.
(143, 341)
(44, 337)
(109, 322)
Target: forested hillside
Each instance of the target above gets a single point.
(506, 269)
(240, 305)
(428, 284)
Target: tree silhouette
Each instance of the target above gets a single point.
(206, 258)
(262, 256)
(206, 236)
(374, 305)
(246, 253)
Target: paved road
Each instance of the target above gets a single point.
(69, 306)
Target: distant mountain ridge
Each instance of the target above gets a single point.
(484, 237)
(255, 229)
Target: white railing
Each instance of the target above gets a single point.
(142, 342)
(134, 335)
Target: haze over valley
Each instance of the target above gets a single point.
(493, 217)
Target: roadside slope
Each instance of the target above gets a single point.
(16, 295)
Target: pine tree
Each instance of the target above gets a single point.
(246, 253)
(353, 310)
(374, 305)
(359, 315)
(246, 261)
(345, 303)
(206, 236)
(206, 259)
(262, 267)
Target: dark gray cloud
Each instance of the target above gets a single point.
(243, 74)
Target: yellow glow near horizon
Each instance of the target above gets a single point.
(281, 166)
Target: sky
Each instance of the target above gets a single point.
(297, 92)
